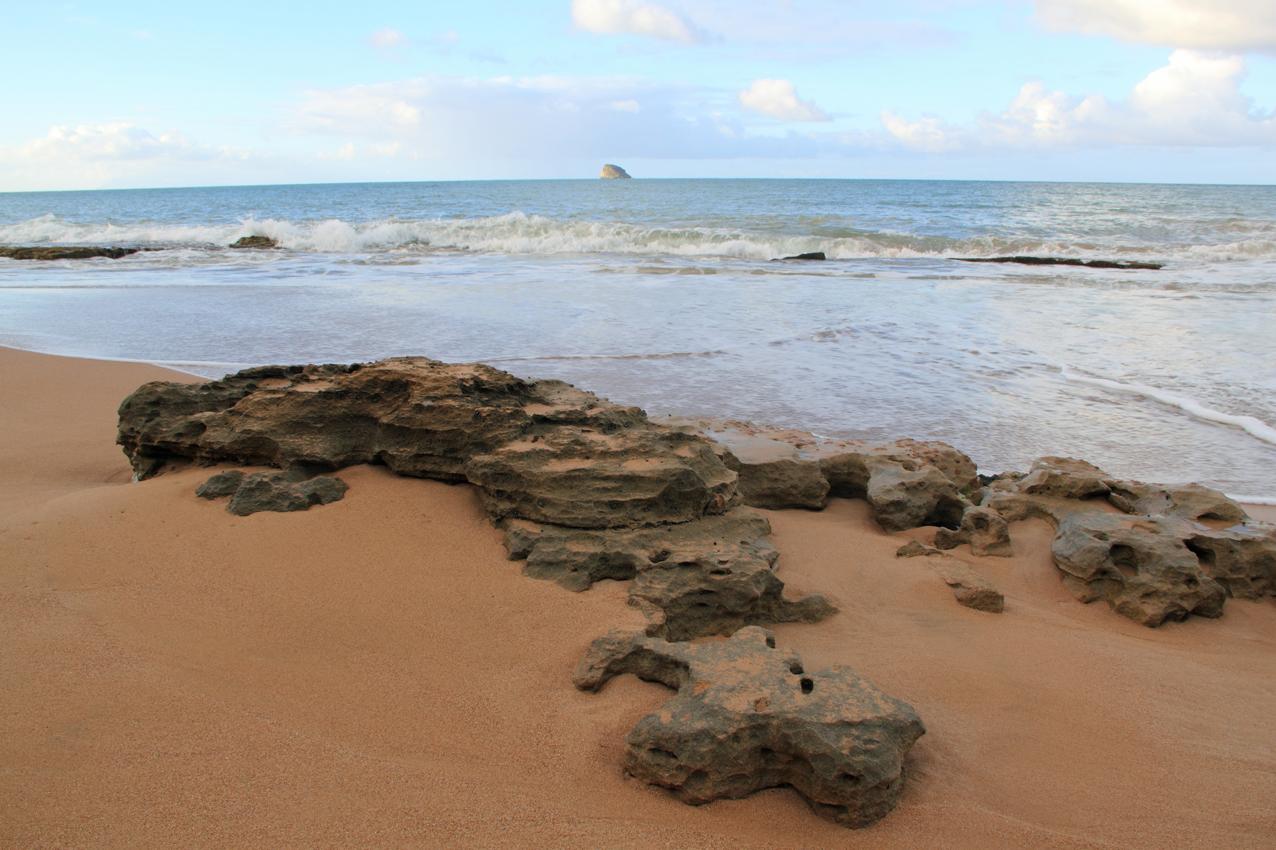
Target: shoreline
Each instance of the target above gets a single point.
(1261, 507)
(375, 671)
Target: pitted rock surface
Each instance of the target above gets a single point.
(539, 450)
(984, 529)
(1153, 552)
(747, 716)
(279, 492)
(706, 577)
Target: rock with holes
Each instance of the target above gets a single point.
(984, 529)
(905, 498)
(780, 483)
(541, 450)
(747, 716)
(1154, 552)
(710, 576)
(1138, 568)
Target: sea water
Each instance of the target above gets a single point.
(663, 293)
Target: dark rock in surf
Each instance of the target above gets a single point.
(83, 252)
(1065, 261)
(254, 242)
(747, 716)
(811, 255)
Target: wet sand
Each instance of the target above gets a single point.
(375, 673)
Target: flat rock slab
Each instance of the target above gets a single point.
(1065, 261)
(969, 587)
(747, 716)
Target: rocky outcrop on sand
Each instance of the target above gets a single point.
(254, 242)
(985, 530)
(65, 252)
(585, 489)
(611, 171)
(748, 716)
(1152, 552)
(907, 483)
(252, 493)
(1065, 261)
(706, 577)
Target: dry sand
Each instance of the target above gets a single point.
(375, 673)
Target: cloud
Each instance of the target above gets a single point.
(387, 38)
(779, 99)
(1194, 100)
(1207, 24)
(107, 154)
(612, 17)
(483, 124)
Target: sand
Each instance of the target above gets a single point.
(375, 673)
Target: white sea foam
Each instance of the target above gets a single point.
(521, 233)
(1250, 424)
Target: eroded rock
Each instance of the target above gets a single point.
(1153, 552)
(710, 576)
(540, 450)
(984, 529)
(908, 483)
(265, 491)
(747, 716)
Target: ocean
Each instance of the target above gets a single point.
(663, 293)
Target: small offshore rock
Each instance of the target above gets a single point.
(810, 255)
(254, 242)
(613, 172)
(747, 716)
(1065, 261)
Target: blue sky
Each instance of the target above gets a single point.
(152, 94)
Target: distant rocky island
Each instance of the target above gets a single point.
(613, 172)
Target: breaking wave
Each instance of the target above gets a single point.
(1251, 425)
(521, 233)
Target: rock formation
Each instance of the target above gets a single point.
(613, 172)
(747, 716)
(254, 242)
(585, 489)
(65, 252)
(263, 491)
(983, 528)
(907, 483)
(810, 255)
(705, 577)
(1152, 552)
(969, 587)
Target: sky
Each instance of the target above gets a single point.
(138, 94)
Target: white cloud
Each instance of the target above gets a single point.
(779, 99)
(612, 17)
(1194, 100)
(387, 38)
(627, 105)
(107, 154)
(1207, 24)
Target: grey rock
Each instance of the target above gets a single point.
(65, 252)
(709, 576)
(747, 716)
(983, 528)
(254, 242)
(264, 491)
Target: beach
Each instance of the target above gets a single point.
(376, 672)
